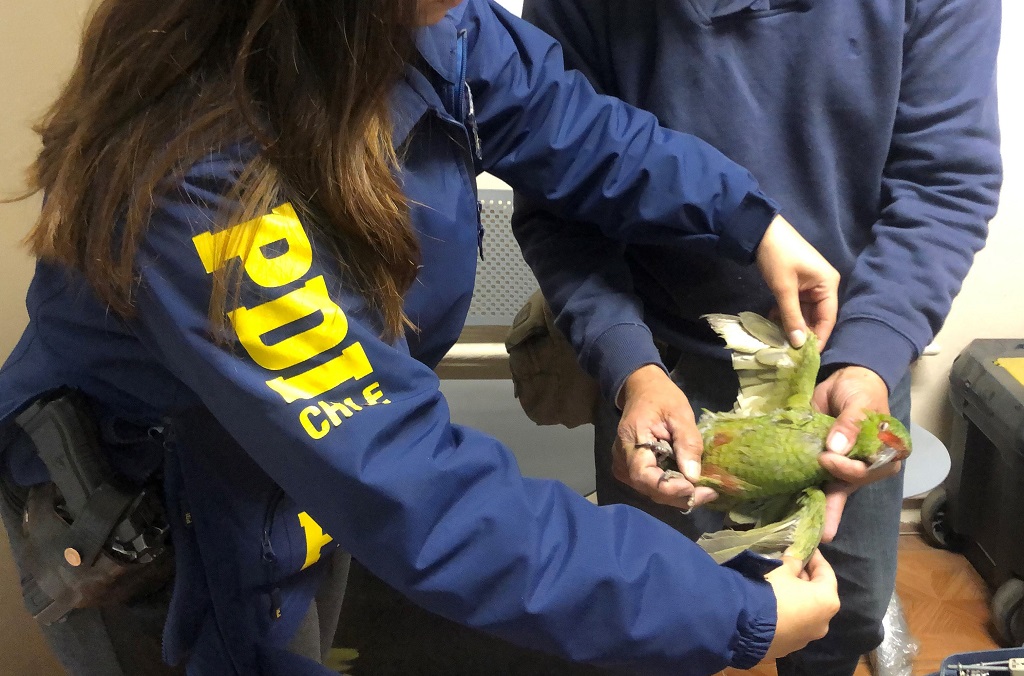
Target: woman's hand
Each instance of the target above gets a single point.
(805, 285)
(655, 409)
(806, 599)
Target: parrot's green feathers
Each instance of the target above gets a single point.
(796, 533)
(882, 439)
(772, 373)
(762, 456)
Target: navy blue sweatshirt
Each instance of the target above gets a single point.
(872, 122)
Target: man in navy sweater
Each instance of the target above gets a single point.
(874, 123)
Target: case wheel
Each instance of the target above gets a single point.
(934, 525)
(1008, 611)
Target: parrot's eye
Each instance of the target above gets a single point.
(883, 426)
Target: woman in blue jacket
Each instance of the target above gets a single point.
(259, 236)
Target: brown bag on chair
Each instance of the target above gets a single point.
(551, 386)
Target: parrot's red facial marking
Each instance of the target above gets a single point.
(728, 483)
(893, 442)
(721, 439)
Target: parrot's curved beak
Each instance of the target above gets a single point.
(895, 443)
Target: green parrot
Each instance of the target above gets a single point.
(762, 457)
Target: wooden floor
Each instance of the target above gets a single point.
(945, 602)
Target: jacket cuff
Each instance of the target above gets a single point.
(618, 352)
(746, 227)
(755, 627)
(872, 344)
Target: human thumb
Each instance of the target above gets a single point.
(792, 317)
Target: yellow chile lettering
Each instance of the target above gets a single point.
(373, 395)
(332, 410)
(316, 538)
(280, 224)
(318, 420)
(306, 420)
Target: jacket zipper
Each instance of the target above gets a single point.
(463, 105)
(270, 556)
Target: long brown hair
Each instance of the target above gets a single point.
(159, 84)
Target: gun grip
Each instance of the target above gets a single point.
(65, 438)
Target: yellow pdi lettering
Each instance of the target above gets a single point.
(316, 538)
(281, 224)
(351, 363)
(252, 325)
(249, 242)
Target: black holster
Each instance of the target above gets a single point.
(91, 537)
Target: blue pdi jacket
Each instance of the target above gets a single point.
(307, 431)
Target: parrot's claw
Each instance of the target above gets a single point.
(669, 474)
(663, 454)
(659, 448)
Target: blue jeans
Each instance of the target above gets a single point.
(863, 553)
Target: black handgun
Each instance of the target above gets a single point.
(89, 533)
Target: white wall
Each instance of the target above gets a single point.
(514, 6)
(38, 43)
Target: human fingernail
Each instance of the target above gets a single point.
(703, 495)
(691, 468)
(838, 442)
(797, 338)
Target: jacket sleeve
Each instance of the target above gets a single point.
(584, 275)
(940, 188)
(595, 159)
(356, 431)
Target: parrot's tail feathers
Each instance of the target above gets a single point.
(762, 511)
(797, 534)
(771, 540)
(740, 517)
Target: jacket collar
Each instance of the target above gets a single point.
(436, 43)
(414, 95)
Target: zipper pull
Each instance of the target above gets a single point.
(480, 229)
(275, 603)
(268, 549)
(471, 120)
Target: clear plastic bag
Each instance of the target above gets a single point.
(895, 656)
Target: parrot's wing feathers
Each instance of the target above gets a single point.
(773, 375)
(737, 337)
(764, 330)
